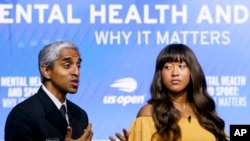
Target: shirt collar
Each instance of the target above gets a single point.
(53, 98)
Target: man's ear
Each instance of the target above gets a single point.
(45, 71)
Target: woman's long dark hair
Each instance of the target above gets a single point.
(165, 116)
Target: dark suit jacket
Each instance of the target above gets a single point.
(38, 119)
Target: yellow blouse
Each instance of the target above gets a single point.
(143, 128)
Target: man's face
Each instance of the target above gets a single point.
(64, 77)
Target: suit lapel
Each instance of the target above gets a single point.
(74, 121)
(77, 118)
(52, 114)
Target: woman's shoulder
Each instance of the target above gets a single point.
(145, 111)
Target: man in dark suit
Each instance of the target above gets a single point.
(39, 117)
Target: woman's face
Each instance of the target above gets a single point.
(175, 76)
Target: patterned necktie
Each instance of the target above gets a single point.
(63, 110)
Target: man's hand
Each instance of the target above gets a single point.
(123, 137)
(87, 135)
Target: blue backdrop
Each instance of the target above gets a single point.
(119, 41)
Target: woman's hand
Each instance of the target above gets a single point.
(123, 137)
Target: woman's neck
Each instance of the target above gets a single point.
(179, 99)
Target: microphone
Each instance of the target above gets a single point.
(189, 118)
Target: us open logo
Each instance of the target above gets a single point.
(127, 86)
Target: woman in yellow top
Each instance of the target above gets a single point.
(180, 108)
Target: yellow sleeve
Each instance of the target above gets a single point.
(142, 129)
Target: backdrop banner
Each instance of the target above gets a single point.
(119, 42)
